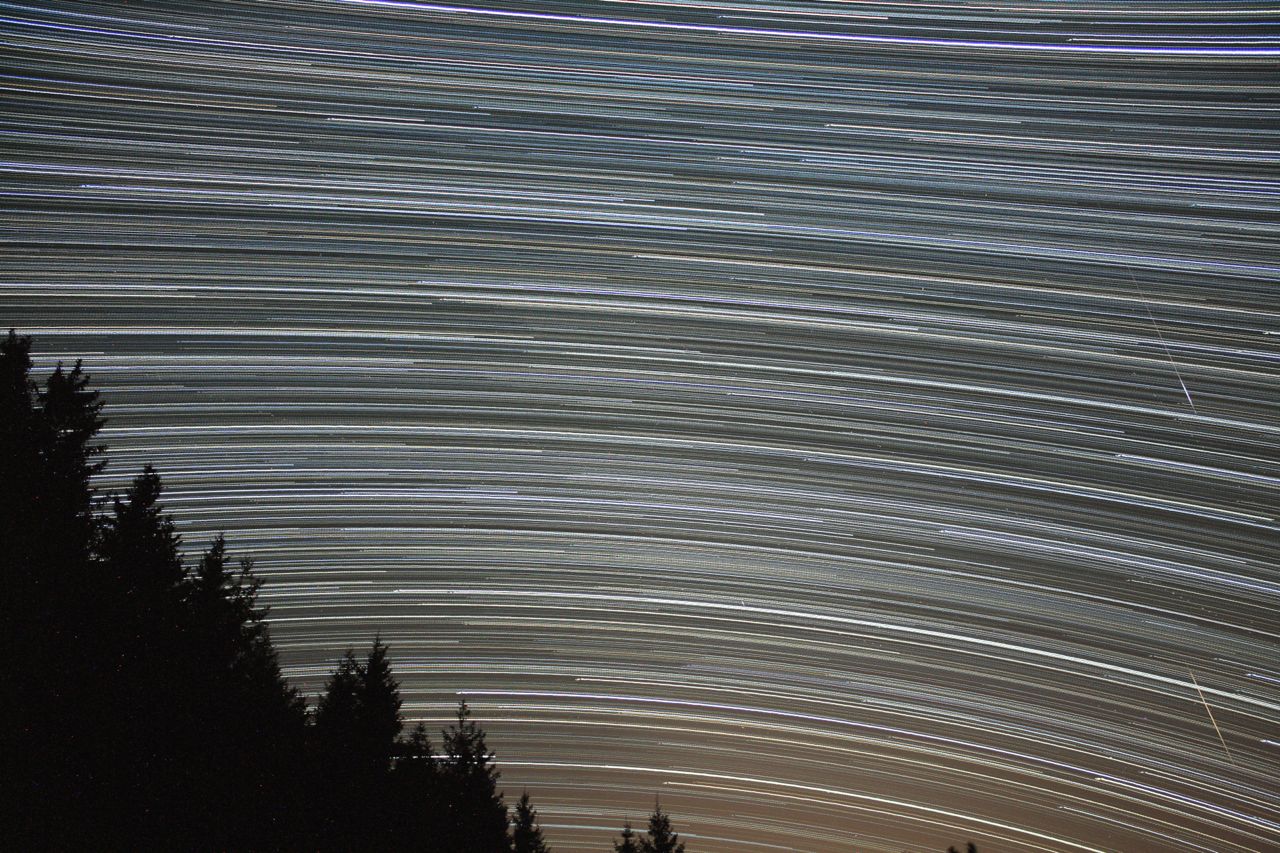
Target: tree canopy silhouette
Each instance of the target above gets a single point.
(475, 815)
(627, 843)
(526, 835)
(661, 838)
(148, 709)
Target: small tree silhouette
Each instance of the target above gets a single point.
(661, 837)
(526, 835)
(626, 843)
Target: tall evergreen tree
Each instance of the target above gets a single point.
(415, 767)
(416, 751)
(251, 720)
(47, 459)
(155, 702)
(339, 785)
(50, 608)
(47, 525)
(474, 814)
(661, 837)
(358, 717)
(526, 835)
(234, 639)
(415, 764)
(378, 700)
(357, 724)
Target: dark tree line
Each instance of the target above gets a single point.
(144, 707)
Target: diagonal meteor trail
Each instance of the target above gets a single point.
(1211, 719)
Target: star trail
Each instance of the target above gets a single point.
(856, 424)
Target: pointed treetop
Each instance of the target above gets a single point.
(140, 541)
(15, 356)
(661, 838)
(627, 843)
(211, 573)
(379, 697)
(418, 744)
(526, 835)
(336, 710)
(465, 746)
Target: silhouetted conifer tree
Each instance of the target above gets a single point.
(661, 837)
(416, 752)
(627, 842)
(253, 721)
(415, 763)
(357, 723)
(474, 816)
(358, 717)
(47, 525)
(51, 607)
(341, 774)
(414, 793)
(378, 700)
(234, 641)
(336, 713)
(154, 692)
(46, 465)
(526, 835)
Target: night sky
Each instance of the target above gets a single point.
(857, 424)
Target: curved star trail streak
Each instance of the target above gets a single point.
(856, 424)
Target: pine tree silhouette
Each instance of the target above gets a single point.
(474, 815)
(150, 707)
(357, 725)
(341, 775)
(358, 717)
(661, 838)
(336, 713)
(51, 604)
(416, 752)
(139, 542)
(252, 727)
(47, 524)
(415, 764)
(526, 835)
(627, 842)
(378, 700)
(413, 794)
(48, 461)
